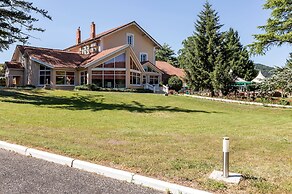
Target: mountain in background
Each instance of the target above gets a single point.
(267, 71)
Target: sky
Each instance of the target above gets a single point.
(167, 21)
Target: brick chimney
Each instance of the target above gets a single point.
(92, 31)
(78, 36)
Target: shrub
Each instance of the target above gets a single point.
(175, 83)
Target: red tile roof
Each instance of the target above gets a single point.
(14, 65)
(169, 69)
(54, 57)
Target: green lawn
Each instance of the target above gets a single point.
(174, 138)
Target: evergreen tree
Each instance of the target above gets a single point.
(289, 61)
(166, 54)
(238, 56)
(278, 29)
(16, 21)
(199, 54)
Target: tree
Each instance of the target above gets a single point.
(199, 51)
(175, 83)
(16, 21)
(282, 79)
(238, 56)
(289, 61)
(278, 29)
(166, 54)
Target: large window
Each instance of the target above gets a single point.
(65, 78)
(130, 39)
(45, 75)
(83, 78)
(111, 74)
(135, 74)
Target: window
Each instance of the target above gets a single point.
(135, 78)
(45, 75)
(83, 78)
(153, 79)
(85, 50)
(133, 66)
(130, 39)
(111, 74)
(143, 57)
(148, 69)
(65, 78)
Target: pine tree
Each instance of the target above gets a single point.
(238, 56)
(166, 54)
(199, 54)
(16, 21)
(289, 61)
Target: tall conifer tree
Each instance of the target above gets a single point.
(200, 50)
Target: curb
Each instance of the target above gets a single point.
(101, 170)
(238, 101)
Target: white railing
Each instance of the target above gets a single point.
(155, 88)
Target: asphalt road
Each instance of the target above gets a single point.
(21, 174)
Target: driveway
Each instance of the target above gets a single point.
(21, 174)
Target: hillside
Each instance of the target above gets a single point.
(266, 70)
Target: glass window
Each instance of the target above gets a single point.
(83, 78)
(135, 78)
(133, 64)
(65, 78)
(44, 75)
(153, 79)
(143, 57)
(130, 39)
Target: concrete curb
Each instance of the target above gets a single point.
(238, 101)
(101, 170)
(49, 157)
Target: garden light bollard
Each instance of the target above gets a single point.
(225, 157)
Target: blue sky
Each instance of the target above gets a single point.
(167, 21)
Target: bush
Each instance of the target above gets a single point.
(284, 102)
(93, 87)
(175, 83)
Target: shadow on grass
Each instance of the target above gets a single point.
(93, 102)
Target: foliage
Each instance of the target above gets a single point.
(93, 87)
(281, 80)
(16, 21)
(200, 50)
(212, 59)
(167, 54)
(278, 29)
(2, 71)
(175, 83)
(289, 61)
(267, 71)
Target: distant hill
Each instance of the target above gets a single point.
(267, 71)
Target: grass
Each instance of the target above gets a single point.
(173, 138)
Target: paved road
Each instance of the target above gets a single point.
(21, 174)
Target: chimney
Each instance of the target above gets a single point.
(92, 32)
(78, 36)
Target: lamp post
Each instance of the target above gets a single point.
(225, 157)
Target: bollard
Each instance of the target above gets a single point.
(225, 157)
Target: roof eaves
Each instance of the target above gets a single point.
(41, 62)
(103, 57)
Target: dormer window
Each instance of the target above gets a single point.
(143, 57)
(130, 39)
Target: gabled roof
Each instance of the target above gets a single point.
(152, 66)
(53, 57)
(169, 69)
(14, 65)
(113, 30)
(99, 56)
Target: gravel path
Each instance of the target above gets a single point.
(21, 174)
